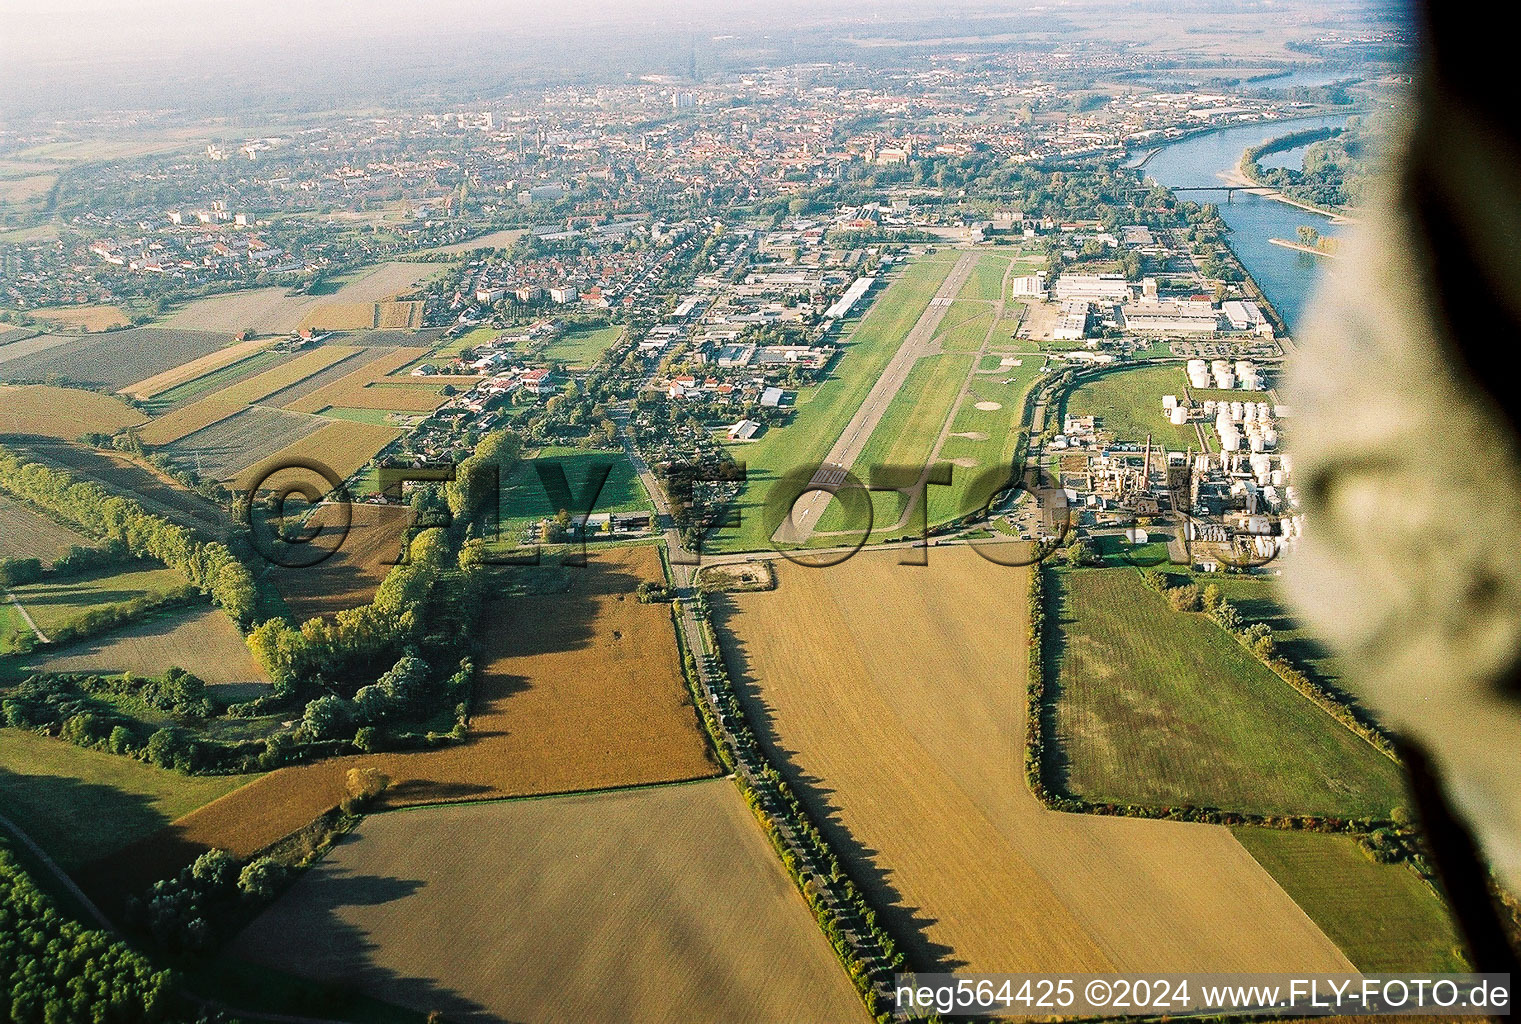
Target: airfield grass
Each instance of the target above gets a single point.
(1383, 916)
(906, 434)
(525, 499)
(1165, 708)
(965, 327)
(82, 804)
(973, 456)
(581, 347)
(1128, 404)
(825, 409)
(986, 281)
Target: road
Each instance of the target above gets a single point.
(799, 526)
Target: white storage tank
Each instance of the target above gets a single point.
(1179, 415)
(1209, 407)
(1238, 412)
(1278, 478)
(1169, 401)
(1270, 437)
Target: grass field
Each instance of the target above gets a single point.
(579, 689)
(525, 499)
(196, 368)
(41, 410)
(25, 534)
(1382, 915)
(658, 904)
(823, 411)
(343, 446)
(1160, 707)
(201, 640)
(893, 699)
(986, 282)
(1128, 404)
(983, 440)
(230, 400)
(54, 604)
(1260, 599)
(83, 804)
(216, 380)
(582, 347)
(965, 327)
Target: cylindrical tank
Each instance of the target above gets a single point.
(1169, 401)
(1179, 415)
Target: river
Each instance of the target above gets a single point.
(1285, 276)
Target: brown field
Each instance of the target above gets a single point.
(84, 318)
(350, 576)
(657, 904)
(362, 388)
(343, 446)
(907, 743)
(218, 406)
(25, 534)
(229, 446)
(115, 359)
(495, 240)
(161, 382)
(274, 311)
(578, 691)
(391, 316)
(364, 316)
(199, 640)
(41, 410)
(145, 484)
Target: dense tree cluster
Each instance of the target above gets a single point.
(57, 972)
(208, 565)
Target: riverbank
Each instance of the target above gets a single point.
(1312, 250)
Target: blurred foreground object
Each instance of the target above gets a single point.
(1406, 438)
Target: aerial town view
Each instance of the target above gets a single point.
(737, 512)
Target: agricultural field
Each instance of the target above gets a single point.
(368, 388)
(25, 534)
(343, 446)
(84, 318)
(196, 368)
(916, 775)
(824, 410)
(580, 689)
(183, 395)
(230, 445)
(1383, 916)
(278, 311)
(1163, 708)
(655, 904)
(581, 347)
(41, 410)
(118, 473)
(200, 640)
(229, 400)
(80, 804)
(24, 343)
(292, 393)
(350, 576)
(1260, 599)
(117, 359)
(53, 604)
(364, 316)
(10, 333)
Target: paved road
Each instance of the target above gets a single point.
(798, 527)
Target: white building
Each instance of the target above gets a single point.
(1093, 287)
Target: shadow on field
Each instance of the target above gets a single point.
(1055, 766)
(305, 933)
(907, 924)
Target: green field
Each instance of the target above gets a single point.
(380, 417)
(986, 282)
(1128, 404)
(971, 455)
(216, 379)
(1259, 600)
(825, 409)
(581, 346)
(53, 604)
(905, 436)
(1164, 708)
(965, 326)
(524, 499)
(1381, 915)
(82, 804)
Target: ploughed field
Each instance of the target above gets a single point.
(893, 698)
(117, 359)
(657, 904)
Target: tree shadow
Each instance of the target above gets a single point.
(906, 923)
(1056, 765)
